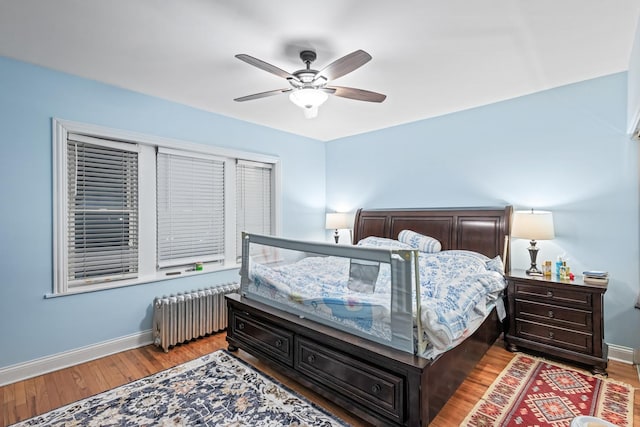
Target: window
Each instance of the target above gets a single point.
(253, 200)
(190, 208)
(128, 208)
(102, 200)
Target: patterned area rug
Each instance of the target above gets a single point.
(537, 392)
(217, 389)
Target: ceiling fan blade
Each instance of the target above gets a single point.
(344, 65)
(357, 94)
(262, 95)
(265, 66)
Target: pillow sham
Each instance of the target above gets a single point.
(383, 242)
(496, 264)
(420, 241)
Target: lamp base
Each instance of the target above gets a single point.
(336, 236)
(533, 254)
(533, 271)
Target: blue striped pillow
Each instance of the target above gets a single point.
(419, 241)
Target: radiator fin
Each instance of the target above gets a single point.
(186, 316)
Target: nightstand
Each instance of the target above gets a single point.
(563, 319)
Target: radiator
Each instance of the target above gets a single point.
(183, 317)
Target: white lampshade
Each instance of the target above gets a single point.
(532, 225)
(308, 99)
(338, 221)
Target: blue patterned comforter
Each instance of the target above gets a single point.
(457, 289)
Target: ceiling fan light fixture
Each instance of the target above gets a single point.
(309, 99)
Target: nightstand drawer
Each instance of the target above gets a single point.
(558, 337)
(553, 315)
(557, 296)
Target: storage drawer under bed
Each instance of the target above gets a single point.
(277, 343)
(369, 386)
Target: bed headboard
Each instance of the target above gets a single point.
(477, 229)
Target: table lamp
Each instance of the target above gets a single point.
(338, 221)
(532, 225)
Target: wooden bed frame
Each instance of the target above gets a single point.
(379, 384)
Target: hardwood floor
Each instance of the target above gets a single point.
(35, 396)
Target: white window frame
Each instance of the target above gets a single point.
(148, 144)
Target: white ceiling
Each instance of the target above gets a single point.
(430, 57)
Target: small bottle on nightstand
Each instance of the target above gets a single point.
(563, 271)
(546, 269)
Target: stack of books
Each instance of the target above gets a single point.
(596, 277)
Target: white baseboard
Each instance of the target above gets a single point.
(33, 368)
(621, 354)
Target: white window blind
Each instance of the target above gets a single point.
(102, 210)
(254, 205)
(190, 208)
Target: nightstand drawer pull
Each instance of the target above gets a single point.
(550, 294)
(279, 343)
(551, 334)
(551, 314)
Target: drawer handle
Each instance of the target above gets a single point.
(241, 325)
(278, 343)
(311, 359)
(376, 389)
(551, 334)
(549, 294)
(551, 314)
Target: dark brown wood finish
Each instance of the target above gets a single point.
(378, 384)
(481, 230)
(562, 319)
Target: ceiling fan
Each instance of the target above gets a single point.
(309, 88)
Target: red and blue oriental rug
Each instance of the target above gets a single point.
(536, 392)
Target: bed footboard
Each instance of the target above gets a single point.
(375, 382)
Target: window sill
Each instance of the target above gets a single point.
(159, 276)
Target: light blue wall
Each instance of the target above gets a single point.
(33, 327)
(566, 150)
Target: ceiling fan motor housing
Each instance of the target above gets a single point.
(307, 56)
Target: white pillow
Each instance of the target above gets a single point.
(420, 242)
